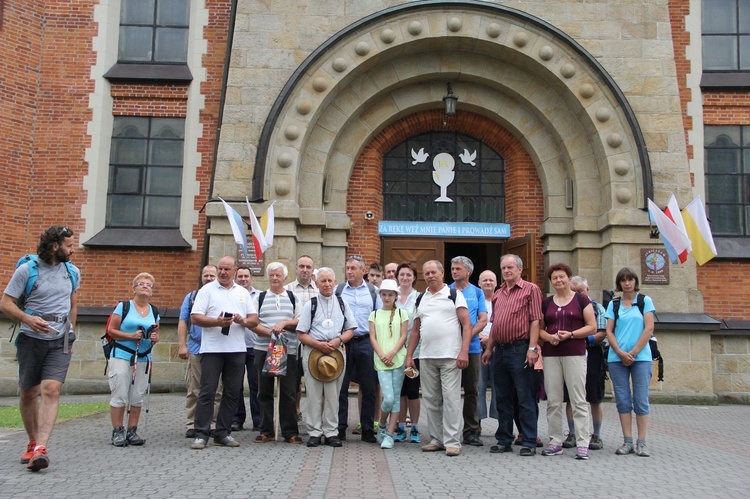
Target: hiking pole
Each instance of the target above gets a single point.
(149, 369)
(134, 363)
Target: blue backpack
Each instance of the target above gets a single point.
(31, 284)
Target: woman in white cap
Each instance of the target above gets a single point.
(388, 334)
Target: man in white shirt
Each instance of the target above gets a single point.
(442, 323)
(223, 309)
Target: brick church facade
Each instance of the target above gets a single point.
(128, 120)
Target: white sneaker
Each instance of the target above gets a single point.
(387, 442)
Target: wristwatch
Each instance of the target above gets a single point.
(534, 349)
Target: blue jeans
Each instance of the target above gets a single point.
(511, 377)
(640, 373)
(485, 381)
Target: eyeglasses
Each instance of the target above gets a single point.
(145, 285)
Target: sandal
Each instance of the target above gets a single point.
(294, 439)
(261, 439)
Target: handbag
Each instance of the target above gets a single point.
(276, 358)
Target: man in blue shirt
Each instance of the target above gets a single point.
(189, 347)
(461, 269)
(362, 299)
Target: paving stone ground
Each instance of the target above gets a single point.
(696, 452)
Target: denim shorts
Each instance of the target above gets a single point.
(39, 360)
(640, 373)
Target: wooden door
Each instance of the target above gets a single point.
(415, 250)
(525, 247)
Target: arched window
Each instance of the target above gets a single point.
(443, 177)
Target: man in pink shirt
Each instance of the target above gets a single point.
(512, 350)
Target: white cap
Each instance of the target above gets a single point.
(389, 285)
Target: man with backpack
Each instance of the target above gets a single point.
(46, 311)
(325, 323)
(189, 347)
(461, 269)
(278, 314)
(363, 299)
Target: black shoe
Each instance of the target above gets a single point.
(500, 448)
(255, 427)
(212, 433)
(314, 441)
(333, 441)
(237, 426)
(472, 438)
(133, 437)
(527, 451)
(190, 433)
(369, 436)
(342, 434)
(119, 438)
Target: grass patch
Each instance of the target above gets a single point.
(10, 416)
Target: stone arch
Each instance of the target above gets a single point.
(505, 65)
(509, 66)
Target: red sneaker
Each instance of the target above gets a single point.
(29, 452)
(39, 459)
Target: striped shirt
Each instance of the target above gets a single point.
(275, 309)
(514, 309)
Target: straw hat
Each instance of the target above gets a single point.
(325, 366)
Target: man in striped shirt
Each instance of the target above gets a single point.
(278, 313)
(512, 349)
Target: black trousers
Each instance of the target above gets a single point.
(360, 367)
(252, 381)
(287, 397)
(231, 368)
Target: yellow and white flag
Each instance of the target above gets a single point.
(699, 231)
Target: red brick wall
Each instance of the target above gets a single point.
(21, 40)
(717, 276)
(45, 71)
(719, 108)
(725, 289)
(524, 202)
(678, 9)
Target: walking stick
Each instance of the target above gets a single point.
(149, 370)
(276, 414)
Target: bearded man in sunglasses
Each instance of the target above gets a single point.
(47, 320)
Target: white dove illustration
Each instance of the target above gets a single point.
(467, 158)
(419, 157)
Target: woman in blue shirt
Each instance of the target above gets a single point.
(137, 330)
(630, 358)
